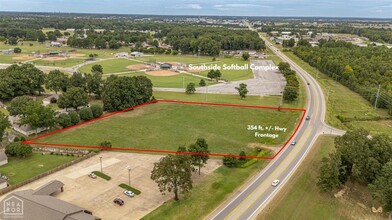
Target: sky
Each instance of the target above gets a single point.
(296, 8)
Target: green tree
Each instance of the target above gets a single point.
(64, 120)
(96, 110)
(38, 116)
(73, 98)
(173, 173)
(202, 82)
(230, 161)
(290, 93)
(190, 88)
(4, 124)
(330, 174)
(382, 187)
(17, 50)
(56, 81)
(106, 144)
(95, 83)
(18, 105)
(78, 80)
(86, 114)
(242, 90)
(283, 66)
(245, 56)
(16, 149)
(200, 150)
(97, 68)
(75, 119)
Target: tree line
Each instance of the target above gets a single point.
(361, 158)
(362, 69)
(291, 90)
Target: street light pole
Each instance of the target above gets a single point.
(100, 159)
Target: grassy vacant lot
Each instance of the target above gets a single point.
(19, 170)
(341, 100)
(110, 66)
(301, 199)
(273, 101)
(176, 81)
(167, 126)
(210, 192)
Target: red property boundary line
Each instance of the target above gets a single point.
(33, 141)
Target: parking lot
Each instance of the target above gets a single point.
(97, 195)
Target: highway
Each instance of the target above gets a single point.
(255, 195)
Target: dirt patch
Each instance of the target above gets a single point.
(23, 58)
(77, 55)
(54, 58)
(137, 67)
(162, 73)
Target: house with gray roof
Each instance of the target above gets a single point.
(39, 204)
(3, 158)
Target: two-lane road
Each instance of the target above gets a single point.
(253, 197)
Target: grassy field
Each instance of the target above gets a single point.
(207, 194)
(19, 170)
(58, 63)
(110, 66)
(167, 126)
(341, 100)
(301, 199)
(176, 81)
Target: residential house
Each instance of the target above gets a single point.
(136, 54)
(3, 158)
(55, 44)
(122, 55)
(23, 129)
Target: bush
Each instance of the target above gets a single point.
(97, 111)
(53, 100)
(64, 120)
(106, 144)
(230, 161)
(86, 114)
(19, 150)
(202, 82)
(242, 155)
(102, 175)
(130, 188)
(75, 119)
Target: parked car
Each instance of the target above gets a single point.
(275, 183)
(293, 142)
(88, 212)
(92, 175)
(129, 193)
(118, 201)
(308, 118)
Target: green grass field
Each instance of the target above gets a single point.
(187, 59)
(301, 199)
(167, 126)
(110, 66)
(340, 100)
(19, 170)
(207, 194)
(58, 63)
(176, 81)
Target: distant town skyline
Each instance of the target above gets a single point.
(298, 8)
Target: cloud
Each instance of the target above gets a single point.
(186, 6)
(225, 7)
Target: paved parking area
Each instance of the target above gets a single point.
(97, 195)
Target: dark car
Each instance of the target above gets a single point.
(308, 118)
(119, 202)
(88, 212)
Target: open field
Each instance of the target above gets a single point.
(375, 127)
(58, 63)
(166, 126)
(187, 59)
(175, 81)
(206, 195)
(301, 199)
(19, 170)
(340, 100)
(110, 66)
(97, 195)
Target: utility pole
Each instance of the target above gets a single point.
(377, 96)
(100, 159)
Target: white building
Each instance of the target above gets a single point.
(3, 183)
(136, 54)
(55, 44)
(122, 55)
(23, 129)
(3, 158)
